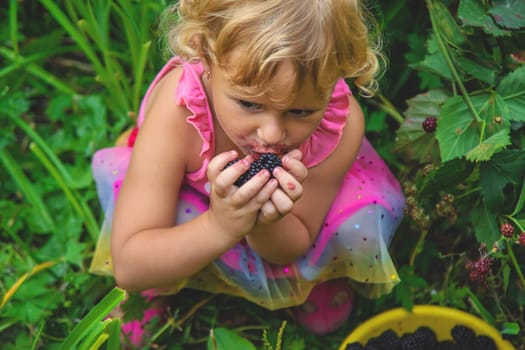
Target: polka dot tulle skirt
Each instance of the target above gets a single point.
(353, 242)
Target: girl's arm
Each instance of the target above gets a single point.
(149, 250)
(289, 238)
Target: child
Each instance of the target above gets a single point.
(247, 78)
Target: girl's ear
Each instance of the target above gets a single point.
(207, 70)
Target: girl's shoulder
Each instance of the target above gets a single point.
(173, 105)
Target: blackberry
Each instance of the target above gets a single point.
(427, 336)
(430, 124)
(484, 342)
(480, 270)
(410, 342)
(268, 161)
(521, 239)
(464, 336)
(447, 345)
(507, 230)
(354, 346)
(386, 340)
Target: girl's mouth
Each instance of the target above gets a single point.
(257, 151)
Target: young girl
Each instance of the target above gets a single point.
(250, 77)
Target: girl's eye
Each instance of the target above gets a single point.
(300, 112)
(249, 105)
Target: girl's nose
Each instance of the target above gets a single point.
(272, 131)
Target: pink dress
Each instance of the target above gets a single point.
(353, 242)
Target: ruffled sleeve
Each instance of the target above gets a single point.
(329, 132)
(190, 94)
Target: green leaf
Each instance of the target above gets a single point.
(412, 141)
(134, 307)
(477, 70)
(434, 63)
(446, 177)
(458, 133)
(501, 179)
(446, 24)
(92, 318)
(521, 201)
(476, 303)
(488, 147)
(485, 225)
(472, 13)
(511, 328)
(509, 13)
(512, 90)
(225, 339)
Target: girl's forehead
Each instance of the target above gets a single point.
(283, 85)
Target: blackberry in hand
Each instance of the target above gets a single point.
(267, 161)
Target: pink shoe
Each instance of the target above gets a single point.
(328, 306)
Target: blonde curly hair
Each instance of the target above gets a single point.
(323, 39)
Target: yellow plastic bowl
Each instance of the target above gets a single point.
(438, 318)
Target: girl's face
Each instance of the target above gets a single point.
(258, 125)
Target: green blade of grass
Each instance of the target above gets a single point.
(96, 337)
(13, 24)
(114, 330)
(115, 296)
(35, 70)
(36, 138)
(27, 189)
(71, 195)
(74, 33)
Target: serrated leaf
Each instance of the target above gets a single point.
(477, 70)
(434, 63)
(485, 225)
(501, 179)
(458, 133)
(447, 176)
(509, 13)
(488, 147)
(446, 24)
(225, 339)
(412, 141)
(512, 90)
(472, 13)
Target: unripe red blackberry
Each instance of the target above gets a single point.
(521, 239)
(430, 124)
(480, 269)
(507, 230)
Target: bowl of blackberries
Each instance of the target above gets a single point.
(426, 327)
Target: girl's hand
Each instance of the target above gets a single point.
(290, 177)
(233, 209)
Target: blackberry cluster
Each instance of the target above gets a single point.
(507, 230)
(480, 269)
(424, 338)
(267, 161)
